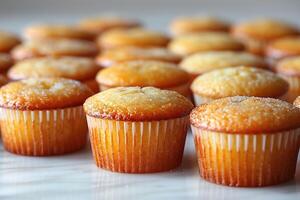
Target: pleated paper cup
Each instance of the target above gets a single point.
(43, 132)
(247, 160)
(137, 147)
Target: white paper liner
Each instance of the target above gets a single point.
(247, 159)
(138, 147)
(43, 132)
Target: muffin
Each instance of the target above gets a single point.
(206, 41)
(54, 47)
(43, 116)
(123, 54)
(237, 81)
(282, 48)
(289, 69)
(200, 63)
(196, 24)
(77, 68)
(132, 37)
(5, 62)
(257, 33)
(98, 25)
(50, 31)
(137, 130)
(144, 73)
(246, 141)
(7, 41)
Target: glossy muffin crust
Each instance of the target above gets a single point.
(239, 81)
(54, 47)
(132, 37)
(123, 54)
(285, 47)
(66, 67)
(246, 115)
(204, 62)
(194, 24)
(100, 24)
(137, 104)
(206, 41)
(46, 31)
(143, 73)
(8, 41)
(43, 93)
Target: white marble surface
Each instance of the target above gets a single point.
(75, 176)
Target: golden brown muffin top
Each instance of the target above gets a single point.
(246, 115)
(205, 41)
(54, 47)
(137, 104)
(46, 31)
(132, 37)
(192, 24)
(103, 23)
(122, 54)
(43, 93)
(206, 61)
(5, 62)
(289, 66)
(143, 73)
(77, 68)
(264, 29)
(289, 46)
(239, 81)
(8, 41)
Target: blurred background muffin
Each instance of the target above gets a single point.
(145, 73)
(237, 81)
(77, 68)
(124, 54)
(203, 62)
(196, 24)
(289, 69)
(282, 48)
(205, 41)
(8, 41)
(5, 62)
(258, 32)
(50, 31)
(54, 47)
(137, 37)
(100, 24)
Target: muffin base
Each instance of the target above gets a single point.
(43, 132)
(251, 160)
(137, 147)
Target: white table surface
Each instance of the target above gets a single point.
(75, 176)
